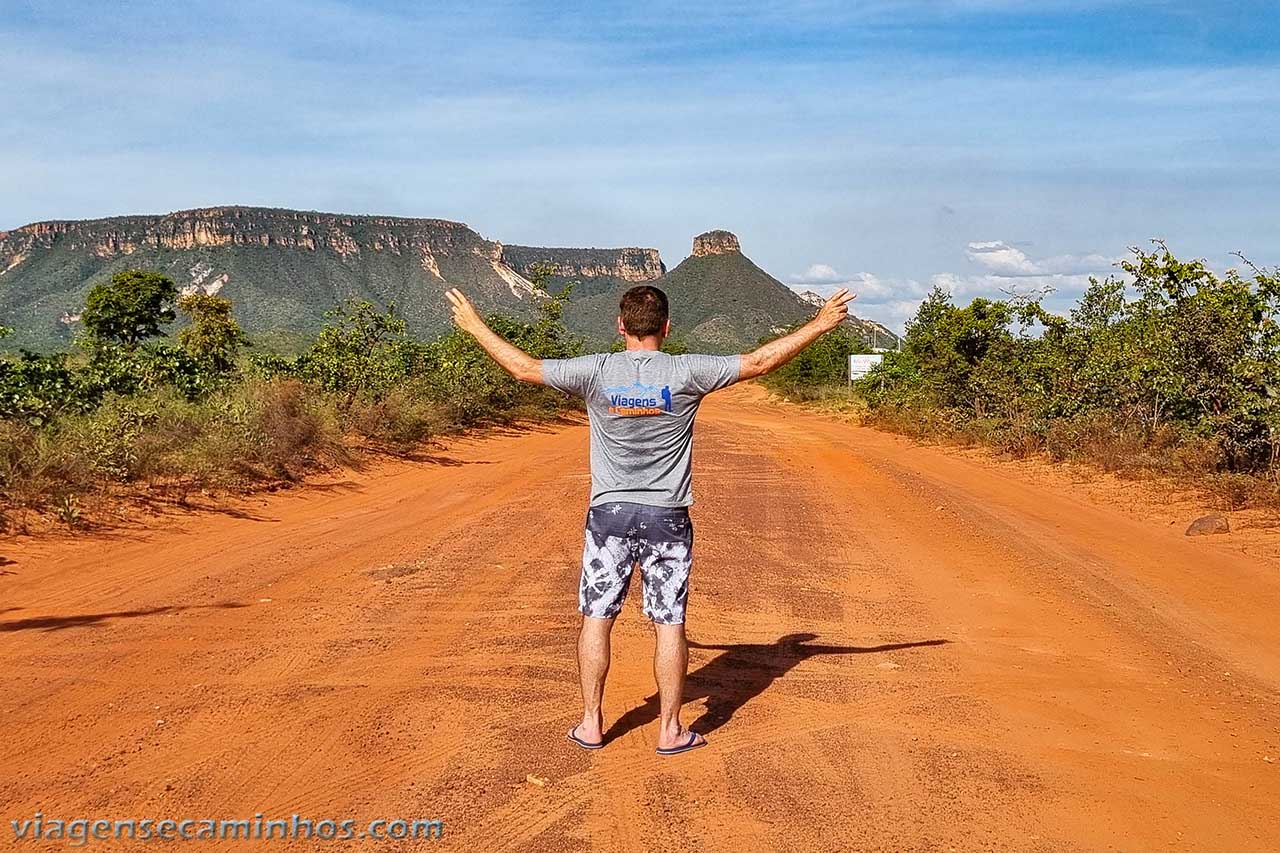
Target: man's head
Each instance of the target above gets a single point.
(643, 313)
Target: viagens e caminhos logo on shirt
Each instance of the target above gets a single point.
(637, 399)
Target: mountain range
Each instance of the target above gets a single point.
(283, 269)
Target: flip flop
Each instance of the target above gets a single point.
(692, 743)
(585, 744)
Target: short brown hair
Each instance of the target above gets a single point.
(644, 311)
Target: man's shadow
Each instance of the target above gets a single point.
(744, 671)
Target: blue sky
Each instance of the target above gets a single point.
(986, 145)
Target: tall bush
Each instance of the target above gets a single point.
(1173, 353)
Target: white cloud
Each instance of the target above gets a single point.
(816, 274)
(1001, 257)
(1007, 260)
(892, 315)
(1011, 271)
(965, 287)
(1008, 271)
(890, 302)
(871, 289)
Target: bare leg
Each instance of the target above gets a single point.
(593, 666)
(670, 663)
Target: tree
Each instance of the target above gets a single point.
(130, 308)
(1220, 346)
(214, 337)
(361, 351)
(963, 352)
(474, 387)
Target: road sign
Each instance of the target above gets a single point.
(860, 365)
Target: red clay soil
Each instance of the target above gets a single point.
(902, 648)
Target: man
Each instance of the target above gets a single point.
(641, 405)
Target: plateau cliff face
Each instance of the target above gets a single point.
(282, 268)
(245, 226)
(591, 267)
(715, 243)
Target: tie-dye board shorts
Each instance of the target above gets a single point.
(622, 535)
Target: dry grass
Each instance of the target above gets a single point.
(1094, 440)
(255, 434)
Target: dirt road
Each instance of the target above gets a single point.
(901, 648)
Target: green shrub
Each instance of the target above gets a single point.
(360, 352)
(1176, 370)
(213, 337)
(473, 389)
(36, 388)
(123, 412)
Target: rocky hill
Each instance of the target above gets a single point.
(720, 301)
(723, 302)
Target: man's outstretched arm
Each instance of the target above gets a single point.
(774, 354)
(512, 359)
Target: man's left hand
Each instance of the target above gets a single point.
(464, 313)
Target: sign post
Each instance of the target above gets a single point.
(860, 365)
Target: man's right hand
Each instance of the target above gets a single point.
(834, 311)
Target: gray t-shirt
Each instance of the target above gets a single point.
(641, 405)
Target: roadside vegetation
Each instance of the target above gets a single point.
(1169, 369)
(131, 411)
(819, 374)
